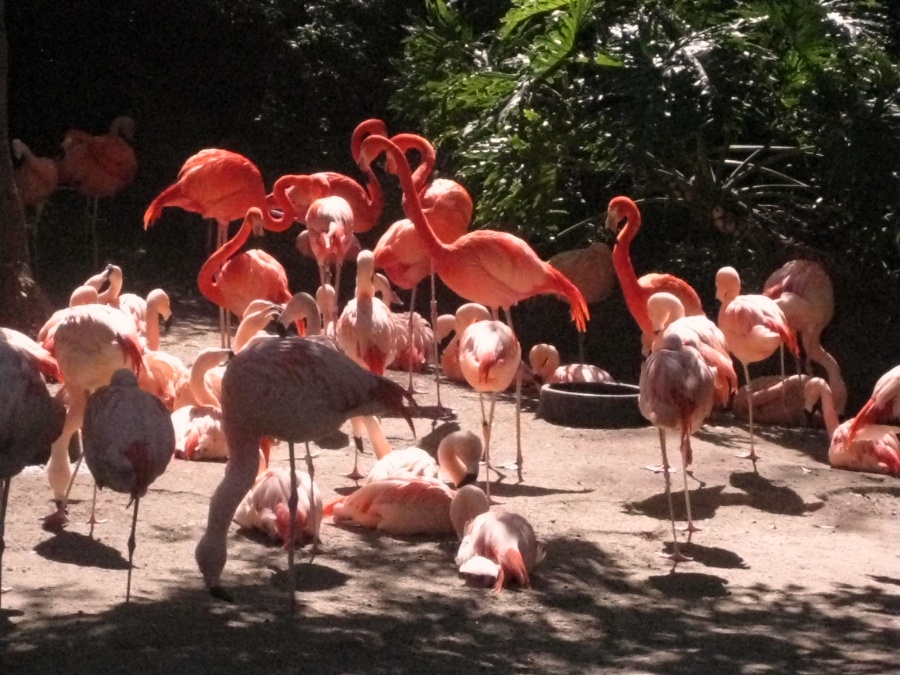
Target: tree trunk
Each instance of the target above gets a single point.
(22, 305)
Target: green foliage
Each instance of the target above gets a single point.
(770, 120)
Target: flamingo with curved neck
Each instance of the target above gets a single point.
(490, 267)
(637, 291)
(233, 280)
(301, 190)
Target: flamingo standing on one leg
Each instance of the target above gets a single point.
(99, 166)
(754, 327)
(90, 343)
(30, 420)
(36, 179)
(803, 290)
(233, 280)
(128, 442)
(293, 389)
(875, 448)
(489, 356)
(637, 291)
(677, 392)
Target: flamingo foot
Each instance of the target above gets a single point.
(690, 528)
(57, 520)
(676, 556)
(5, 589)
(661, 468)
(752, 456)
(355, 475)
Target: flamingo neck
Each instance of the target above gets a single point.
(206, 279)
(151, 329)
(829, 413)
(203, 395)
(435, 247)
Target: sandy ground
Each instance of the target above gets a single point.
(796, 570)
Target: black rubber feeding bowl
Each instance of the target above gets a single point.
(603, 405)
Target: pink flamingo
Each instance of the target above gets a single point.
(803, 290)
(329, 222)
(497, 545)
(667, 313)
(677, 392)
(496, 269)
(489, 356)
(546, 363)
(775, 400)
(128, 442)
(39, 358)
(221, 185)
(883, 406)
(637, 291)
(265, 507)
(754, 327)
(90, 343)
(99, 166)
(198, 426)
(875, 448)
(447, 324)
(233, 280)
(458, 456)
(366, 329)
(36, 179)
(293, 389)
(30, 420)
(366, 202)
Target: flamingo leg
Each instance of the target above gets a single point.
(4, 499)
(310, 469)
(132, 544)
(356, 425)
(409, 333)
(752, 456)
(292, 531)
(676, 556)
(437, 360)
(685, 451)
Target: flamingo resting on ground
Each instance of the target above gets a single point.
(882, 407)
(499, 546)
(30, 420)
(875, 448)
(677, 392)
(803, 290)
(775, 401)
(637, 291)
(128, 442)
(293, 389)
(545, 362)
(754, 327)
(458, 456)
(265, 507)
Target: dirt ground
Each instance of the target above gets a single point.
(796, 570)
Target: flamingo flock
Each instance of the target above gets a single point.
(133, 407)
